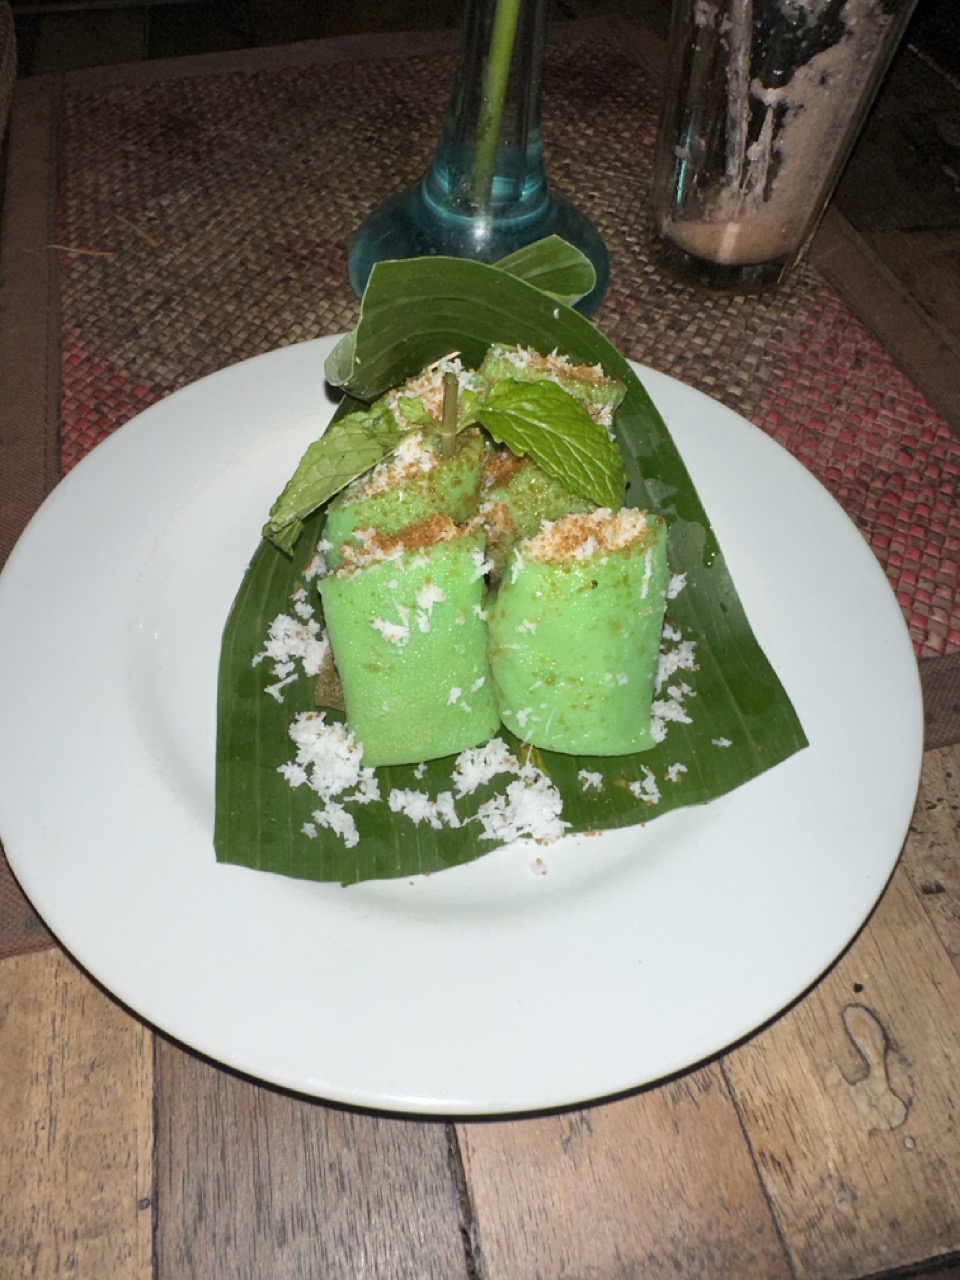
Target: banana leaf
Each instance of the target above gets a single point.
(734, 721)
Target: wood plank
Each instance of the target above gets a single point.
(927, 263)
(850, 1100)
(76, 1140)
(933, 851)
(926, 350)
(255, 1183)
(659, 1185)
(72, 39)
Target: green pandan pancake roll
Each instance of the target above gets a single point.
(575, 633)
(409, 638)
(520, 497)
(412, 485)
(586, 383)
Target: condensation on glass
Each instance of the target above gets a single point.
(763, 103)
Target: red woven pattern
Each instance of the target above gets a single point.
(209, 220)
(892, 464)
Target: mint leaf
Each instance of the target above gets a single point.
(339, 363)
(554, 267)
(286, 536)
(544, 421)
(467, 413)
(415, 412)
(349, 447)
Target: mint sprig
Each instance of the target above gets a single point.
(545, 422)
(349, 447)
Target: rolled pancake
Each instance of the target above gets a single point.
(409, 638)
(413, 485)
(575, 633)
(515, 506)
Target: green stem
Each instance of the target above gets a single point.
(448, 421)
(496, 76)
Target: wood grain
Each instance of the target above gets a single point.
(850, 1102)
(256, 1183)
(76, 1137)
(933, 851)
(927, 262)
(660, 1185)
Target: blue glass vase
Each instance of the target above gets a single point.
(485, 193)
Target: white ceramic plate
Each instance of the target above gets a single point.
(489, 988)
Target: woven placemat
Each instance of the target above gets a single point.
(207, 219)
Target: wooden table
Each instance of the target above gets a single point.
(825, 1147)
